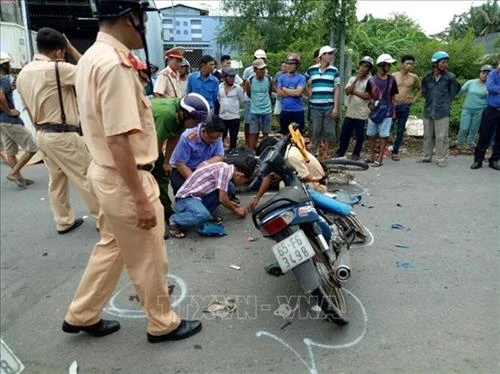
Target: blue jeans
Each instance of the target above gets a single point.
(190, 212)
(469, 126)
(402, 113)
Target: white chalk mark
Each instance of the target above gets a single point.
(139, 313)
(311, 365)
(371, 240)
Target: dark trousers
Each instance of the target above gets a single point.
(490, 122)
(177, 180)
(402, 113)
(163, 180)
(233, 127)
(352, 125)
(286, 118)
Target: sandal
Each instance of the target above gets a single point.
(369, 161)
(217, 219)
(376, 164)
(20, 182)
(175, 232)
(28, 182)
(395, 157)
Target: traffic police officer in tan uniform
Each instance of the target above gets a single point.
(168, 83)
(46, 86)
(119, 130)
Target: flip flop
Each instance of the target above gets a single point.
(395, 158)
(20, 182)
(217, 219)
(175, 232)
(28, 182)
(369, 161)
(376, 164)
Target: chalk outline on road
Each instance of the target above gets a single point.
(311, 343)
(139, 313)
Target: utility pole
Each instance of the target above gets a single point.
(27, 30)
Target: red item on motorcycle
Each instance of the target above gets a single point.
(275, 225)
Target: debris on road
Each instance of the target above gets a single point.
(221, 308)
(274, 269)
(251, 239)
(397, 226)
(404, 265)
(285, 325)
(197, 346)
(401, 246)
(45, 254)
(235, 267)
(212, 229)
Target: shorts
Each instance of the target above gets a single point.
(383, 129)
(15, 136)
(322, 125)
(260, 122)
(277, 107)
(247, 114)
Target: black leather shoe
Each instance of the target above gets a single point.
(476, 165)
(185, 330)
(494, 165)
(101, 328)
(78, 223)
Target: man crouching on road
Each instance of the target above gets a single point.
(202, 193)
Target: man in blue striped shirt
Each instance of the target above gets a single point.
(323, 88)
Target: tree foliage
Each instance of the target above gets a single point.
(479, 20)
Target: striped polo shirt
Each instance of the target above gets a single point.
(322, 85)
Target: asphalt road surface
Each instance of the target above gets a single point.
(424, 298)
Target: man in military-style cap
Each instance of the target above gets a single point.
(168, 82)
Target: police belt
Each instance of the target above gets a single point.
(57, 127)
(147, 167)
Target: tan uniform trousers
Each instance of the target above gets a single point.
(67, 158)
(122, 243)
(436, 135)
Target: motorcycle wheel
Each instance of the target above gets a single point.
(331, 298)
(348, 165)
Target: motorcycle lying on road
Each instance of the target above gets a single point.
(308, 243)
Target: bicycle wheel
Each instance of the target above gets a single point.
(343, 164)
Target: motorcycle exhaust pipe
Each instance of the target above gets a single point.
(342, 266)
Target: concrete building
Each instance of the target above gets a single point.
(194, 29)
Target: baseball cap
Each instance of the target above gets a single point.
(4, 58)
(259, 64)
(228, 72)
(325, 49)
(260, 53)
(384, 57)
(486, 67)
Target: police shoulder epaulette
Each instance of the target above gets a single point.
(192, 136)
(125, 58)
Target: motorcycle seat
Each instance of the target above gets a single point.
(285, 197)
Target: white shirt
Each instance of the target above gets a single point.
(230, 102)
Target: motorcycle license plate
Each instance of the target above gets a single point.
(293, 251)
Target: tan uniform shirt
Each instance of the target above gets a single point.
(105, 79)
(168, 83)
(37, 86)
(313, 168)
